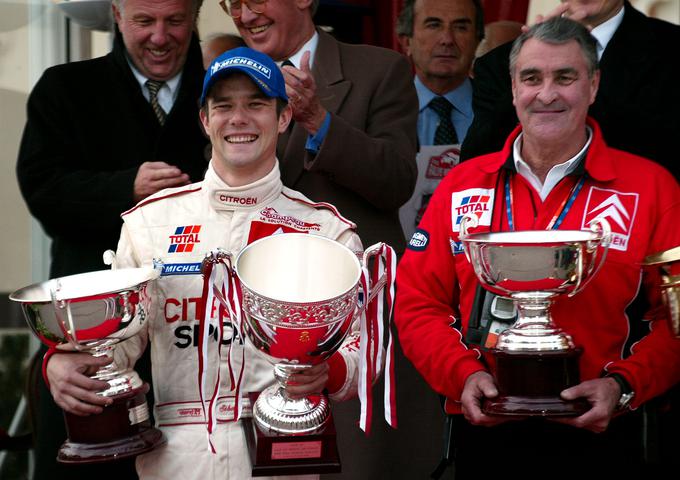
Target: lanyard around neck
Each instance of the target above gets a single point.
(560, 213)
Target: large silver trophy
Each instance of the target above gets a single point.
(91, 312)
(535, 360)
(668, 263)
(300, 297)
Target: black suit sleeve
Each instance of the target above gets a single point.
(494, 112)
(69, 194)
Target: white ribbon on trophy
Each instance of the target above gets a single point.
(221, 282)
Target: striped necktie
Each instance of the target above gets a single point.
(445, 133)
(154, 86)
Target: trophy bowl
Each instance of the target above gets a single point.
(91, 312)
(300, 297)
(535, 360)
(668, 262)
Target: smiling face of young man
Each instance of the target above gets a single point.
(243, 127)
(552, 91)
(280, 30)
(156, 34)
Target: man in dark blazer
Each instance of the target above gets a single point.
(353, 142)
(88, 134)
(93, 146)
(636, 105)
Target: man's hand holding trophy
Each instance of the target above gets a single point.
(91, 313)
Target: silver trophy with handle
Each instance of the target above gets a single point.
(535, 359)
(92, 312)
(300, 296)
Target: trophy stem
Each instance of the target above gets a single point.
(534, 330)
(533, 310)
(535, 361)
(275, 411)
(120, 380)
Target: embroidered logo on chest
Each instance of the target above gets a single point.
(270, 215)
(184, 239)
(615, 207)
(473, 201)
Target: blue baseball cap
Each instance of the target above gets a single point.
(258, 66)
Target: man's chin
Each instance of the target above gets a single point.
(161, 71)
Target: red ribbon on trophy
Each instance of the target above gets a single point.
(225, 289)
(372, 338)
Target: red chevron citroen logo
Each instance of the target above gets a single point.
(618, 208)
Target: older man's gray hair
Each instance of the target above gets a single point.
(558, 31)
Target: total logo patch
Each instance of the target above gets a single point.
(617, 208)
(419, 240)
(184, 239)
(473, 201)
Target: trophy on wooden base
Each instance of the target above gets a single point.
(91, 312)
(535, 360)
(299, 297)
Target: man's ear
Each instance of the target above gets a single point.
(204, 118)
(405, 43)
(594, 86)
(303, 4)
(116, 13)
(284, 118)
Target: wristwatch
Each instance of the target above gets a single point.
(627, 392)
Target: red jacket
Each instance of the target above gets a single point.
(436, 283)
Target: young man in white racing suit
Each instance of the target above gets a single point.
(241, 199)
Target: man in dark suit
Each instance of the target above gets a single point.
(638, 96)
(353, 143)
(97, 140)
(440, 38)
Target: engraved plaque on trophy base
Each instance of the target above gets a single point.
(278, 454)
(122, 430)
(530, 383)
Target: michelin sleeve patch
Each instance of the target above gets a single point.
(419, 240)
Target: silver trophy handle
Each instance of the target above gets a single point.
(467, 222)
(219, 255)
(109, 258)
(601, 227)
(375, 289)
(66, 325)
